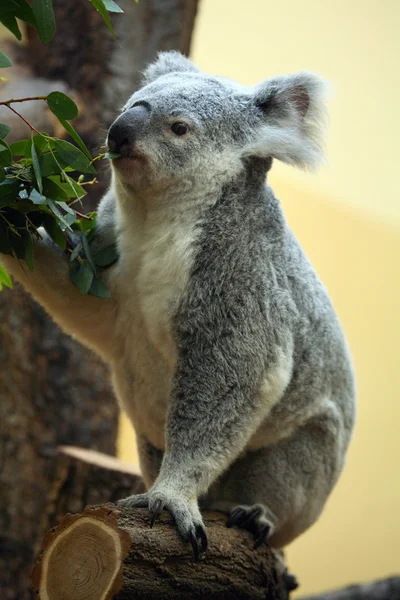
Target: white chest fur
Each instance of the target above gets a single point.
(150, 280)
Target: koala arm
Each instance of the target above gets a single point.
(226, 384)
(87, 318)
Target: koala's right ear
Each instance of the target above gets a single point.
(168, 62)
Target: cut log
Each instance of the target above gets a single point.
(82, 477)
(106, 552)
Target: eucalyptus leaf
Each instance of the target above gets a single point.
(37, 198)
(74, 157)
(5, 279)
(75, 136)
(4, 61)
(4, 129)
(67, 208)
(82, 277)
(100, 7)
(20, 148)
(11, 23)
(112, 6)
(62, 106)
(64, 224)
(99, 289)
(5, 154)
(88, 252)
(54, 230)
(76, 251)
(36, 167)
(44, 16)
(106, 256)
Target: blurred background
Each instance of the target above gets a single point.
(347, 218)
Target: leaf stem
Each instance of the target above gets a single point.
(12, 100)
(25, 121)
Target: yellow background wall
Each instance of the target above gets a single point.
(347, 217)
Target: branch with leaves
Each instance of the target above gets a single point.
(42, 178)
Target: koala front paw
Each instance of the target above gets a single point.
(185, 512)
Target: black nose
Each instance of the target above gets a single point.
(125, 131)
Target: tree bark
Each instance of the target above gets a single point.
(385, 589)
(108, 553)
(53, 391)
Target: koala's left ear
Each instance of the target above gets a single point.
(168, 62)
(294, 119)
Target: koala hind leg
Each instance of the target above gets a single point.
(279, 491)
(255, 519)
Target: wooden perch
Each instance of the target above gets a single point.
(82, 477)
(106, 552)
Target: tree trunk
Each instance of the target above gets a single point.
(107, 553)
(53, 391)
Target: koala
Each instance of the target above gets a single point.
(224, 347)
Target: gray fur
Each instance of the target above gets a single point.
(225, 349)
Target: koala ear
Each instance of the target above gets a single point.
(295, 116)
(168, 62)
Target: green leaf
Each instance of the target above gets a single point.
(76, 251)
(67, 208)
(10, 22)
(88, 225)
(20, 148)
(28, 256)
(43, 142)
(5, 279)
(8, 190)
(112, 6)
(75, 136)
(88, 252)
(54, 230)
(73, 157)
(50, 166)
(62, 106)
(36, 167)
(71, 188)
(44, 16)
(37, 198)
(4, 60)
(106, 256)
(82, 277)
(24, 12)
(56, 211)
(99, 6)
(99, 289)
(5, 154)
(54, 191)
(2, 174)
(4, 129)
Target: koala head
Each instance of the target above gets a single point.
(186, 125)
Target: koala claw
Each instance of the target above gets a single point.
(252, 518)
(186, 515)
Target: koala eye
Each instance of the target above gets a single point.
(179, 128)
